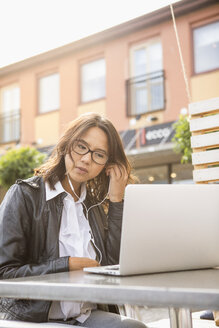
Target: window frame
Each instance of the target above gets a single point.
(13, 115)
(87, 62)
(146, 44)
(39, 77)
(194, 26)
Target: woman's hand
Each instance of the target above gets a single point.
(78, 263)
(118, 181)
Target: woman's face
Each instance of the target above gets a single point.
(83, 168)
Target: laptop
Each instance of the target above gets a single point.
(167, 228)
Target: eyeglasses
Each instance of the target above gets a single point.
(98, 156)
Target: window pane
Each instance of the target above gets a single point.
(49, 93)
(148, 59)
(206, 47)
(155, 57)
(157, 94)
(140, 98)
(93, 80)
(156, 174)
(10, 115)
(140, 62)
(181, 173)
(16, 99)
(10, 99)
(6, 101)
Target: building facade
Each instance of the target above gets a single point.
(131, 73)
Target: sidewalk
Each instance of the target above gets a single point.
(197, 323)
(159, 317)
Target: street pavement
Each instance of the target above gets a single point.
(159, 317)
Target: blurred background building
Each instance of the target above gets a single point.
(131, 73)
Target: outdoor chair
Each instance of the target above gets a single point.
(204, 127)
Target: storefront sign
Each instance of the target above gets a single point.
(156, 134)
(146, 136)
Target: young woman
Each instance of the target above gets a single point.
(67, 217)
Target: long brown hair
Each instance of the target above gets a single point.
(54, 169)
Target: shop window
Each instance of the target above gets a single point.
(49, 91)
(181, 173)
(152, 175)
(206, 47)
(168, 173)
(10, 114)
(93, 76)
(145, 89)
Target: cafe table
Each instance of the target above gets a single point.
(181, 292)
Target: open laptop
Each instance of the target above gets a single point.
(167, 228)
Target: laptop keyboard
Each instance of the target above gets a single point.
(112, 267)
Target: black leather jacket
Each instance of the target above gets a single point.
(29, 241)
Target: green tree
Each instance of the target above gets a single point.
(19, 164)
(182, 139)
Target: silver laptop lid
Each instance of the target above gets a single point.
(169, 227)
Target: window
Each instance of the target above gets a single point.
(169, 173)
(153, 175)
(146, 87)
(49, 93)
(93, 80)
(10, 114)
(182, 174)
(206, 47)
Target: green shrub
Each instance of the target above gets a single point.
(182, 139)
(19, 164)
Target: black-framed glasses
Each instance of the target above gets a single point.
(81, 148)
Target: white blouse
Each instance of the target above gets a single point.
(74, 241)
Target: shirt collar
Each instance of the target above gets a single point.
(50, 193)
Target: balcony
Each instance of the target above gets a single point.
(145, 93)
(10, 126)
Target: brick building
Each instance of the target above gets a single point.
(131, 73)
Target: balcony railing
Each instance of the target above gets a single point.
(10, 126)
(145, 93)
